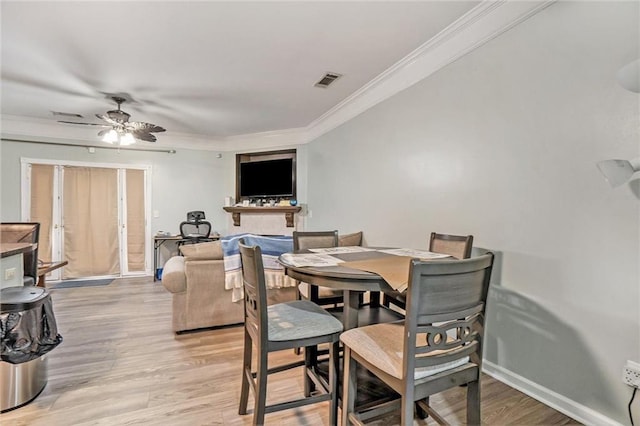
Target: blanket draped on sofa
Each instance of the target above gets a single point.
(272, 247)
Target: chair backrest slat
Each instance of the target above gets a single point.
(319, 239)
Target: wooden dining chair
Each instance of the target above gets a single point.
(458, 246)
(436, 347)
(288, 325)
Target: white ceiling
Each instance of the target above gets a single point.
(203, 68)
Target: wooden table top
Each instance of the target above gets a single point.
(11, 249)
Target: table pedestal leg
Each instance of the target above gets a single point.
(350, 309)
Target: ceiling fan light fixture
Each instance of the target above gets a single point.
(119, 130)
(127, 139)
(110, 137)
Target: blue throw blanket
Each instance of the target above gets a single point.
(272, 248)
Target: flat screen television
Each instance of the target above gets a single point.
(267, 178)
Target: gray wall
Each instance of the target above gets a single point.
(502, 144)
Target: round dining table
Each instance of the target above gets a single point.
(353, 282)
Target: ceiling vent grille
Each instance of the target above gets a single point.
(65, 114)
(328, 78)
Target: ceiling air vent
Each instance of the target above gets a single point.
(65, 114)
(328, 78)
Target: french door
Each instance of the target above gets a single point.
(95, 216)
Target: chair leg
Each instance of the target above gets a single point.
(334, 360)
(422, 414)
(246, 371)
(349, 384)
(261, 388)
(473, 403)
(310, 362)
(406, 410)
(298, 351)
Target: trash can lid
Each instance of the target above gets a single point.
(21, 298)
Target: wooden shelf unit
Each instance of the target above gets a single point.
(288, 211)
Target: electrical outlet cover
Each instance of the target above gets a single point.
(631, 374)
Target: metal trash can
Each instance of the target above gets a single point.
(28, 331)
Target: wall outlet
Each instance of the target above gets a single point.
(9, 273)
(631, 374)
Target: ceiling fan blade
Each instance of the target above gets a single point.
(82, 124)
(109, 120)
(146, 127)
(144, 136)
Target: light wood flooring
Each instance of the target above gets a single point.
(120, 364)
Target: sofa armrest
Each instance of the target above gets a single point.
(201, 251)
(206, 272)
(174, 277)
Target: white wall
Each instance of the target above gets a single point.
(187, 180)
(502, 144)
(181, 182)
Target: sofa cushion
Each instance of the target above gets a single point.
(347, 240)
(208, 250)
(173, 277)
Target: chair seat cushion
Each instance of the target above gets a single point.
(300, 319)
(383, 344)
(322, 291)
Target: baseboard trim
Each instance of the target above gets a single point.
(553, 399)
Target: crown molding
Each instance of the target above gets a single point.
(44, 130)
(481, 24)
(272, 140)
(16, 127)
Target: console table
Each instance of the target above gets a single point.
(288, 212)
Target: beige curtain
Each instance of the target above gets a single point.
(135, 220)
(42, 206)
(90, 217)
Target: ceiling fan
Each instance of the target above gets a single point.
(119, 130)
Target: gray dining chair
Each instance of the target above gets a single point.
(323, 296)
(436, 347)
(458, 246)
(288, 325)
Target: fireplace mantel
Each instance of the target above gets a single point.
(288, 212)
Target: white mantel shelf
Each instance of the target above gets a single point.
(288, 211)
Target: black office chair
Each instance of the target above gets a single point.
(195, 229)
(24, 232)
(195, 216)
